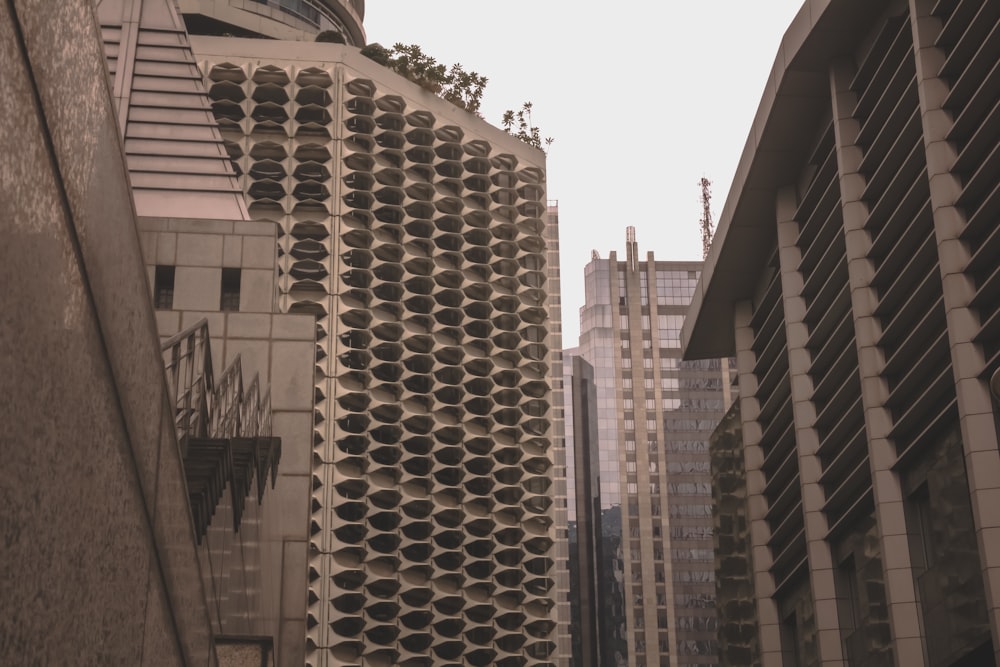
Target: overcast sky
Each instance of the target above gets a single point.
(643, 98)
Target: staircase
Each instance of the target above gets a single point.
(223, 428)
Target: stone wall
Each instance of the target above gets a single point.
(98, 563)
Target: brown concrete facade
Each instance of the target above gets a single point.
(854, 278)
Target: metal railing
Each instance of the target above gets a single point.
(187, 357)
(312, 12)
(206, 407)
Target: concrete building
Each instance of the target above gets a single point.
(642, 496)
(420, 240)
(386, 263)
(854, 278)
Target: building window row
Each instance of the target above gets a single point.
(163, 288)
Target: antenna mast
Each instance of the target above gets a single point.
(707, 228)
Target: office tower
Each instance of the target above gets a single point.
(654, 412)
(419, 238)
(583, 508)
(854, 277)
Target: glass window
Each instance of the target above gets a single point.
(229, 299)
(163, 288)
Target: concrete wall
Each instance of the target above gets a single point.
(98, 563)
(200, 249)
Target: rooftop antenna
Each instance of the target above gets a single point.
(631, 248)
(707, 228)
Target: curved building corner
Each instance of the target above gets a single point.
(297, 20)
(854, 276)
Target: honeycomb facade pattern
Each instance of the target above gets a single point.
(416, 235)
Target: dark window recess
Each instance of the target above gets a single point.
(163, 288)
(230, 298)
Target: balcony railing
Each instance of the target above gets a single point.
(223, 428)
(313, 13)
(206, 407)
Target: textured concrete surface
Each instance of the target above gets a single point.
(98, 550)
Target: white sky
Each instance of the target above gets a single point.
(643, 98)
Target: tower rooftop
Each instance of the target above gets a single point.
(277, 19)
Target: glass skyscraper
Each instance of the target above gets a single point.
(650, 572)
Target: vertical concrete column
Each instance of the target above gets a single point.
(821, 567)
(557, 453)
(763, 581)
(645, 522)
(904, 613)
(979, 435)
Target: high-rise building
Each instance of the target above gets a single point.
(642, 492)
(580, 399)
(854, 276)
(420, 239)
(384, 262)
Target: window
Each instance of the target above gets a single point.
(230, 297)
(163, 288)
(920, 503)
(848, 600)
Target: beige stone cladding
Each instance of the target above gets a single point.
(415, 233)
